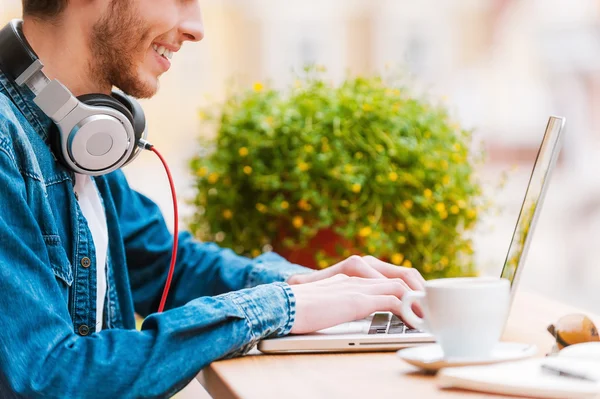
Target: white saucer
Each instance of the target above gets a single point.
(431, 358)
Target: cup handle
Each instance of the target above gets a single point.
(407, 313)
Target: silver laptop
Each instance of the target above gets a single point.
(384, 331)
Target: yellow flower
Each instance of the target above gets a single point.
(444, 261)
(446, 180)
(408, 204)
(471, 214)
(379, 148)
(376, 235)
(356, 187)
(444, 215)
(227, 214)
(428, 193)
(258, 87)
(407, 263)
(269, 120)
(400, 226)
(298, 221)
(457, 158)
(202, 172)
(261, 207)
(457, 147)
(255, 253)
(365, 231)
(247, 169)
(397, 258)
(308, 148)
(303, 166)
(427, 268)
(396, 92)
(213, 178)
(427, 135)
(426, 227)
(371, 249)
(358, 155)
(304, 205)
(393, 176)
(367, 107)
(323, 264)
(202, 115)
(440, 207)
(243, 151)
(454, 210)
(401, 240)
(444, 164)
(297, 84)
(285, 205)
(348, 168)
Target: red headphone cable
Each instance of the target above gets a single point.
(147, 146)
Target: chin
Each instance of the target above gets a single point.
(144, 86)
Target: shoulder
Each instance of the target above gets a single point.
(11, 130)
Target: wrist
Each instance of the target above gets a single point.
(294, 279)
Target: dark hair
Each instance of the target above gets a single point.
(44, 8)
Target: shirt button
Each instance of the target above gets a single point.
(84, 330)
(86, 262)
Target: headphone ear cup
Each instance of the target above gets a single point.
(102, 100)
(139, 119)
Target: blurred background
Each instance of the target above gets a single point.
(501, 66)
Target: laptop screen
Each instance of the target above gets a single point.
(534, 196)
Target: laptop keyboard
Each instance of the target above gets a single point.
(382, 323)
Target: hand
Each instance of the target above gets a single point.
(330, 301)
(366, 267)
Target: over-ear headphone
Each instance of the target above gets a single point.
(94, 134)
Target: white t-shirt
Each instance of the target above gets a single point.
(93, 211)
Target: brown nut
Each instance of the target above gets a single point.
(573, 329)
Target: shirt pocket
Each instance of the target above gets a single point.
(59, 260)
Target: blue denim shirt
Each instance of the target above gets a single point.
(220, 304)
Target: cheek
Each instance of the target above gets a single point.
(161, 16)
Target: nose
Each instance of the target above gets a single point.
(191, 27)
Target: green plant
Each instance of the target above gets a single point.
(387, 172)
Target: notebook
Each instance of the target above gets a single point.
(566, 375)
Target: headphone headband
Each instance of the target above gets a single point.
(17, 55)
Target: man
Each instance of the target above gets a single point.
(80, 255)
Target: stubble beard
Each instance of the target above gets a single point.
(116, 44)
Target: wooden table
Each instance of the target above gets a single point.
(365, 375)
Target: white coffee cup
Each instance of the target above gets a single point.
(465, 315)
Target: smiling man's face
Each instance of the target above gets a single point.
(134, 41)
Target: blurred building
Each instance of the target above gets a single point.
(502, 67)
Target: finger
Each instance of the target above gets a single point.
(358, 267)
(354, 266)
(412, 277)
(394, 287)
(385, 303)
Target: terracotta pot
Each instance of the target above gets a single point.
(326, 240)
